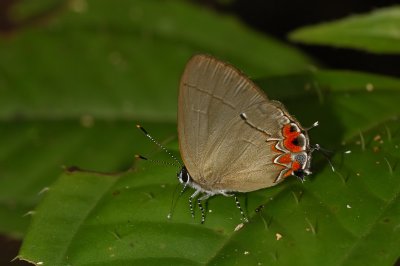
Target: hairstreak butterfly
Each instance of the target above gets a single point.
(232, 138)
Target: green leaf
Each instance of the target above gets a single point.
(73, 86)
(33, 154)
(344, 102)
(377, 32)
(347, 217)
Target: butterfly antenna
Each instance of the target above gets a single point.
(159, 162)
(179, 164)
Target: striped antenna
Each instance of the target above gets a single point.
(159, 162)
(178, 163)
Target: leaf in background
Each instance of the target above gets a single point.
(344, 102)
(377, 32)
(73, 88)
(348, 217)
(33, 154)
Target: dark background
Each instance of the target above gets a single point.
(278, 17)
(273, 17)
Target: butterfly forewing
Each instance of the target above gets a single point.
(220, 150)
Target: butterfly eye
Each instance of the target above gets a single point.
(184, 176)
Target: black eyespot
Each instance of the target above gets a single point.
(293, 128)
(299, 140)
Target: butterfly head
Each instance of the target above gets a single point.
(184, 177)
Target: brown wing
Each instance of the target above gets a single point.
(220, 150)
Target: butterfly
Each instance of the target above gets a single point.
(232, 138)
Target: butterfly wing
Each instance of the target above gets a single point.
(219, 149)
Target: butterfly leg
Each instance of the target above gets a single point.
(237, 202)
(199, 200)
(191, 201)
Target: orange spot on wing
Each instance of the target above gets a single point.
(296, 166)
(288, 143)
(290, 137)
(273, 148)
(285, 159)
(288, 173)
(286, 130)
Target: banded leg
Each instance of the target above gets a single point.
(191, 200)
(203, 198)
(240, 209)
(203, 216)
